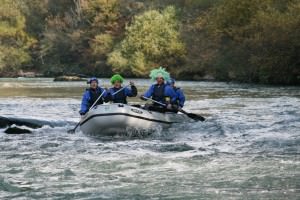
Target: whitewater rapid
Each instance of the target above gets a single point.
(248, 148)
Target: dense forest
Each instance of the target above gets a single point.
(229, 40)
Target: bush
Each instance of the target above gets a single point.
(151, 40)
(102, 44)
(15, 42)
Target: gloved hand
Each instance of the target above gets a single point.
(131, 83)
(175, 106)
(81, 113)
(169, 106)
(143, 98)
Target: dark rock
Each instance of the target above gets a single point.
(49, 145)
(201, 149)
(4, 122)
(16, 130)
(32, 123)
(27, 74)
(175, 148)
(26, 122)
(69, 78)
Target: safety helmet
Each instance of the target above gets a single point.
(92, 79)
(171, 81)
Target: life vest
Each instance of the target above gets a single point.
(94, 94)
(119, 97)
(159, 93)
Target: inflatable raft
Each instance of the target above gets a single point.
(112, 119)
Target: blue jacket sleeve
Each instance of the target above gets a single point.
(171, 93)
(181, 97)
(149, 92)
(85, 103)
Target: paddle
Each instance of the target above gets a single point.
(120, 89)
(190, 115)
(74, 129)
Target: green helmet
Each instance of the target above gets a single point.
(116, 77)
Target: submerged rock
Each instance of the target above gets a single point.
(49, 145)
(4, 122)
(175, 148)
(27, 122)
(69, 78)
(16, 130)
(31, 123)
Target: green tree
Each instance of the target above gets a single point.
(152, 39)
(78, 37)
(258, 41)
(102, 15)
(102, 44)
(275, 47)
(14, 41)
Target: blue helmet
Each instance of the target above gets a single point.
(92, 79)
(171, 81)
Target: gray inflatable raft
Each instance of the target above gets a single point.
(112, 119)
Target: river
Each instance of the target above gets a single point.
(248, 148)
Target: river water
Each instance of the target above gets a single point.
(248, 148)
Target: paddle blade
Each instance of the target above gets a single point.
(71, 131)
(195, 117)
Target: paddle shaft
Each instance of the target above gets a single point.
(73, 130)
(120, 90)
(111, 94)
(190, 115)
(162, 104)
(97, 99)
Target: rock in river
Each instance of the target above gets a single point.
(16, 130)
(68, 78)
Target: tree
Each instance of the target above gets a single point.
(152, 39)
(78, 37)
(14, 41)
(258, 41)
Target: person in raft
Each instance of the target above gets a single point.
(91, 95)
(160, 91)
(179, 93)
(120, 97)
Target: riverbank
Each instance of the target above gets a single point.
(80, 77)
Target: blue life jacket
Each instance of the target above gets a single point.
(89, 97)
(94, 94)
(120, 97)
(159, 93)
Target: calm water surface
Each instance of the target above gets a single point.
(248, 148)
